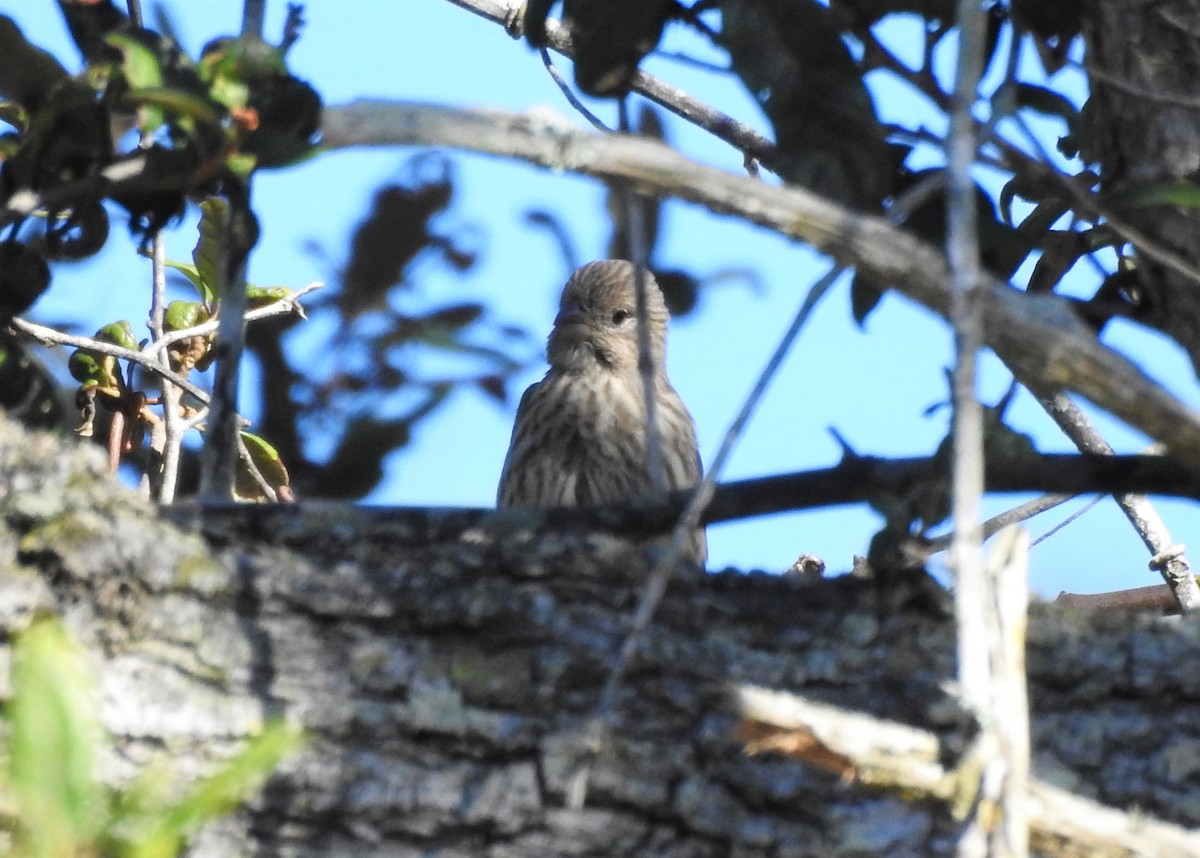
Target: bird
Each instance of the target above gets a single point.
(579, 438)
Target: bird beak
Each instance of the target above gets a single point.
(571, 321)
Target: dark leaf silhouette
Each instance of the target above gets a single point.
(611, 37)
(791, 57)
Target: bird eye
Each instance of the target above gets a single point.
(620, 316)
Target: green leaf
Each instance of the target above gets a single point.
(95, 371)
(269, 463)
(181, 315)
(100, 372)
(265, 296)
(177, 102)
(241, 164)
(138, 63)
(223, 790)
(53, 741)
(166, 831)
(189, 271)
(209, 254)
(146, 825)
(82, 365)
(229, 91)
(140, 67)
(16, 116)
(1184, 194)
(119, 334)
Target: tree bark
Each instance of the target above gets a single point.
(443, 669)
(1143, 127)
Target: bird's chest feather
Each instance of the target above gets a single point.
(608, 408)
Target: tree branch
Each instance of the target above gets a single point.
(856, 480)
(989, 599)
(1038, 336)
(1174, 567)
(907, 760)
(720, 125)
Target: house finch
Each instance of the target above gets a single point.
(580, 433)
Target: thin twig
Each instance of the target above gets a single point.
(1156, 598)
(1166, 560)
(252, 469)
(660, 573)
(989, 600)
(166, 438)
(648, 372)
(1066, 521)
(253, 13)
(153, 359)
(737, 134)
(693, 62)
(51, 337)
(639, 251)
(1020, 162)
(1175, 99)
(282, 307)
(1088, 204)
(570, 95)
(998, 522)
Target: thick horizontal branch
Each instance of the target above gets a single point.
(1038, 336)
(858, 479)
(442, 683)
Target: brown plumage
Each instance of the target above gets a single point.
(580, 432)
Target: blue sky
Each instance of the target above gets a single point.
(872, 385)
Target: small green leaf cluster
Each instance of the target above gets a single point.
(54, 804)
(102, 382)
(143, 125)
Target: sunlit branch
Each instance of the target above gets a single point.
(1038, 336)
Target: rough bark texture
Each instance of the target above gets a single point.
(1144, 128)
(443, 673)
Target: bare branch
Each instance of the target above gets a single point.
(906, 760)
(253, 12)
(697, 502)
(724, 127)
(1155, 598)
(1038, 336)
(283, 307)
(1173, 566)
(989, 603)
(1016, 515)
(51, 337)
(569, 94)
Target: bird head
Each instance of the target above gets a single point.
(596, 323)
